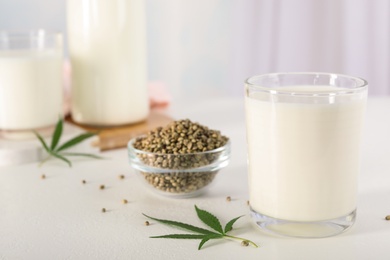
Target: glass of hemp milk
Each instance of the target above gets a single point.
(303, 142)
(31, 92)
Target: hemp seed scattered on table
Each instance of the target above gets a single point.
(228, 198)
(147, 223)
(121, 176)
(102, 187)
(387, 217)
(179, 146)
(43, 176)
(83, 182)
(245, 243)
(104, 210)
(124, 201)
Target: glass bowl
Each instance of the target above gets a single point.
(178, 175)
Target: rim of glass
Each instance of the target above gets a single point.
(361, 83)
(29, 33)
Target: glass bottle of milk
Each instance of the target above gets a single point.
(107, 47)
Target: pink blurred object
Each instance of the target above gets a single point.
(158, 94)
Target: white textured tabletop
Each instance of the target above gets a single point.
(60, 218)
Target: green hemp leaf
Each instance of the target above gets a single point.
(57, 151)
(202, 234)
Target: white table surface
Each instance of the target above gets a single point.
(60, 218)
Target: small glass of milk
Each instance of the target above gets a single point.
(303, 141)
(31, 92)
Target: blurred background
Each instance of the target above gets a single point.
(209, 47)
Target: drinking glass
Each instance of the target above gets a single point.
(303, 140)
(31, 93)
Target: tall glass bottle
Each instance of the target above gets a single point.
(107, 47)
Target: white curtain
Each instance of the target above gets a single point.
(209, 47)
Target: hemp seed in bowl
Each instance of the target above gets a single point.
(180, 159)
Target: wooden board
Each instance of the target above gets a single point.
(119, 136)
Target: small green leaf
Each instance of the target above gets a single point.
(207, 238)
(202, 242)
(83, 154)
(61, 158)
(209, 219)
(229, 225)
(40, 138)
(182, 225)
(57, 134)
(53, 151)
(205, 235)
(181, 236)
(74, 141)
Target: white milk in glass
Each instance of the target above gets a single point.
(107, 45)
(30, 88)
(304, 157)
